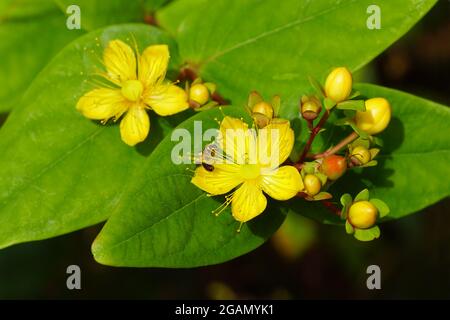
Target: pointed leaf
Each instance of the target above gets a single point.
(59, 171)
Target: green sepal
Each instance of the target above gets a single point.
(276, 104)
(212, 87)
(367, 234)
(371, 163)
(197, 81)
(346, 201)
(374, 152)
(349, 228)
(309, 168)
(207, 106)
(354, 94)
(320, 196)
(383, 208)
(362, 196)
(361, 133)
(361, 142)
(357, 105)
(323, 178)
(328, 103)
(253, 98)
(377, 141)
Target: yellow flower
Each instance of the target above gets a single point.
(243, 165)
(140, 85)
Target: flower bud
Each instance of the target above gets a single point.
(362, 214)
(312, 184)
(376, 117)
(333, 166)
(263, 108)
(338, 85)
(199, 93)
(310, 107)
(360, 155)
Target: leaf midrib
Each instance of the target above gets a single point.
(276, 30)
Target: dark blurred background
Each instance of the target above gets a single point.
(304, 259)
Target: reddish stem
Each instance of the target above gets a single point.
(337, 147)
(332, 207)
(313, 135)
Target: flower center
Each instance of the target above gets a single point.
(250, 171)
(132, 90)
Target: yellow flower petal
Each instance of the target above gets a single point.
(275, 139)
(237, 141)
(282, 183)
(153, 65)
(102, 104)
(248, 202)
(167, 99)
(135, 126)
(120, 62)
(218, 181)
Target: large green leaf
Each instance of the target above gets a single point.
(273, 46)
(31, 33)
(60, 172)
(412, 166)
(165, 221)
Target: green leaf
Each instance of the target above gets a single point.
(317, 86)
(382, 207)
(362, 196)
(303, 38)
(367, 234)
(166, 221)
(60, 172)
(417, 136)
(31, 33)
(358, 105)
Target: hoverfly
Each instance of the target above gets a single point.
(207, 157)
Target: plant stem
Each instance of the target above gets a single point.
(337, 147)
(315, 130)
(332, 207)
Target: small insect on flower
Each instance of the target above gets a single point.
(249, 162)
(138, 83)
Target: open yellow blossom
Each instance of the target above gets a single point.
(140, 85)
(246, 169)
